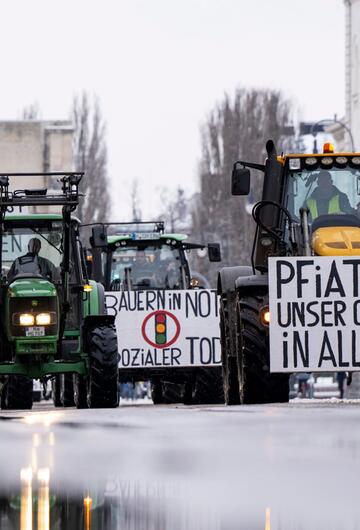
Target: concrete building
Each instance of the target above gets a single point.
(35, 146)
(352, 72)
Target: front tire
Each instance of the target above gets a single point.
(17, 393)
(228, 349)
(80, 391)
(102, 390)
(208, 388)
(67, 390)
(257, 383)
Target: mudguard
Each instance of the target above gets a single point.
(244, 283)
(228, 275)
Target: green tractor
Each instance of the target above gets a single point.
(53, 320)
(143, 257)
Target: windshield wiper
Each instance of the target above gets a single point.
(46, 239)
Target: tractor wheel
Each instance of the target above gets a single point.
(102, 389)
(172, 393)
(67, 390)
(17, 393)
(228, 351)
(56, 390)
(257, 384)
(208, 388)
(80, 391)
(156, 392)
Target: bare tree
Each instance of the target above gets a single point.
(237, 128)
(135, 201)
(90, 156)
(175, 211)
(31, 112)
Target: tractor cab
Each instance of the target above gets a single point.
(142, 256)
(327, 187)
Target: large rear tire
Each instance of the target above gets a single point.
(208, 388)
(172, 392)
(102, 389)
(257, 384)
(228, 349)
(17, 393)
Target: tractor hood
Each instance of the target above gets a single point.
(336, 241)
(25, 288)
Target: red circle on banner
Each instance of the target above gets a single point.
(158, 314)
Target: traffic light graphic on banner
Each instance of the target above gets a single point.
(160, 328)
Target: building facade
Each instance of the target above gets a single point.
(35, 146)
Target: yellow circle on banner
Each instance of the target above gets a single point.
(160, 328)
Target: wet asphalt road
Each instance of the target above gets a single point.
(293, 466)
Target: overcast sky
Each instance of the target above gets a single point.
(159, 66)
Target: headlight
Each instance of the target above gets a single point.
(26, 319)
(43, 319)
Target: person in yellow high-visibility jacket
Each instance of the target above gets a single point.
(327, 198)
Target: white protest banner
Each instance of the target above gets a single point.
(159, 328)
(314, 314)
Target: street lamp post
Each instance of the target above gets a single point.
(331, 120)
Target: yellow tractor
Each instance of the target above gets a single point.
(296, 307)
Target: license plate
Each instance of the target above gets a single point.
(35, 331)
(144, 236)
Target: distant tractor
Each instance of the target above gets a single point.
(143, 257)
(53, 320)
(309, 211)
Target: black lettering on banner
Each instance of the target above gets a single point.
(287, 321)
(139, 301)
(192, 344)
(355, 265)
(125, 357)
(192, 302)
(110, 304)
(299, 277)
(326, 345)
(176, 301)
(135, 356)
(312, 313)
(339, 308)
(355, 312)
(354, 343)
(324, 312)
(280, 279)
(166, 361)
(334, 277)
(214, 342)
(161, 299)
(285, 351)
(123, 302)
(342, 364)
(175, 355)
(301, 348)
(298, 312)
(16, 244)
(205, 350)
(149, 359)
(204, 309)
(150, 299)
(131, 300)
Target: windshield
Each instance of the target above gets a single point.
(334, 191)
(36, 250)
(150, 267)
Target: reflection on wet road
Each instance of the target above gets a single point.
(157, 468)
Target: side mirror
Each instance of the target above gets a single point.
(99, 236)
(240, 180)
(214, 252)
